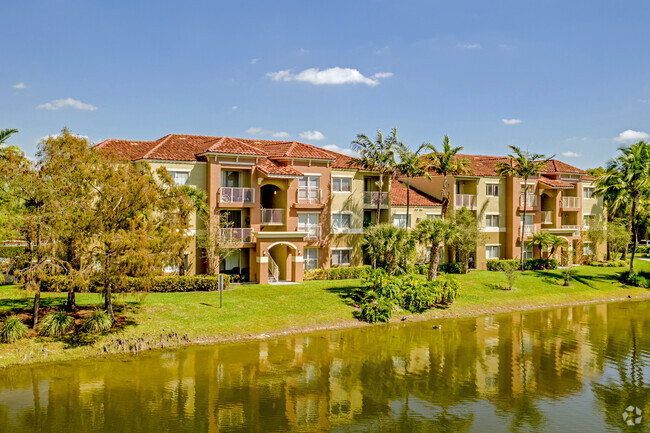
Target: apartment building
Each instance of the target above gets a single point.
(559, 201)
(291, 206)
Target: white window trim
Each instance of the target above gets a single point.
(493, 245)
(332, 250)
(348, 175)
(312, 174)
(308, 212)
(342, 177)
(181, 170)
(492, 182)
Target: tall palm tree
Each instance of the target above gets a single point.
(633, 168)
(434, 233)
(410, 165)
(525, 165)
(377, 155)
(445, 163)
(5, 134)
(612, 188)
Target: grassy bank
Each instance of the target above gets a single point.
(256, 311)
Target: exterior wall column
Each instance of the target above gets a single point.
(214, 183)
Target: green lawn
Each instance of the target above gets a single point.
(251, 310)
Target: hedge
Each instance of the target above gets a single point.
(11, 251)
(447, 268)
(352, 272)
(529, 264)
(642, 279)
(163, 284)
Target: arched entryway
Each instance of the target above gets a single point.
(282, 256)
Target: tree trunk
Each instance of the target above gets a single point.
(635, 203)
(609, 251)
(523, 223)
(71, 304)
(408, 200)
(434, 261)
(37, 304)
(381, 187)
(108, 302)
(445, 197)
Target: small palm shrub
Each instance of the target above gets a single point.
(97, 322)
(372, 311)
(12, 329)
(511, 274)
(55, 324)
(568, 274)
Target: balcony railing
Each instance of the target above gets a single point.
(236, 235)
(313, 231)
(528, 230)
(570, 227)
(531, 201)
(570, 202)
(236, 195)
(271, 217)
(547, 217)
(309, 195)
(374, 197)
(466, 200)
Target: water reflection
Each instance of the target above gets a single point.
(566, 369)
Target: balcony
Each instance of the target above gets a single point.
(313, 231)
(272, 217)
(236, 235)
(466, 200)
(529, 230)
(547, 217)
(309, 195)
(372, 198)
(236, 195)
(570, 202)
(570, 227)
(531, 201)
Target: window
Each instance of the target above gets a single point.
(231, 179)
(308, 189)
(588, 192)
(492, 190)
(492, 252)
(492, 221)
(587, 220)
(342, 256)
(530, 188)
(399, 220)
(311, 259)
(341, 184)
(434, 216)
(587, 249)
(528, 251)
(180, 177)
(308, 222)
(341, 221)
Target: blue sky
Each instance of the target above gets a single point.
(555, 77)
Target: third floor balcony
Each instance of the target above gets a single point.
(272, 217)
(570, 202)
(236, 235)
(313, 231)
(236, 195)
(373, 198)
(467, 201)
(309, 195)
(530, 201)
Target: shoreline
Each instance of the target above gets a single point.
(452, 312)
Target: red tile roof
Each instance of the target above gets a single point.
(418, 198)
(269, 166)
(555, 183)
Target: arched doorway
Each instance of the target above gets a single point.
(282, 255)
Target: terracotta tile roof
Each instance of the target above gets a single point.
(418, 198)
(234, 146)
(271, 167)
(588, 178)
(555, 183)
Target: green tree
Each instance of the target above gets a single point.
(377, 155)
(466, 235)
(213, 241)
(434, 233)
(524, 165)
(445, 163)
(556, 242)
(543, 240)
(388, 246)
(5, 134)
(618, 238)
(411, 165)
(611, 187)
(632, 172)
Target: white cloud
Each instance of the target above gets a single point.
(59, 104)
(630, 136)
(303, 51)
(577, 139)
(19, 86)
(234, 108)
(268, 132)
(511, 121)
(471, 46)
(312, 135)
(335, 148)
(570, 154)
(253, 61)
(334, 75)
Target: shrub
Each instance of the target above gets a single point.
(567, 274)
(97, 322)
(11, 251)
(372, 311)
(12, 329)
(638, 280)
(502, 265)
(450, 268)
(511, 274)
(314, 274)
(55, 324)
(163, 284)
(529, 264)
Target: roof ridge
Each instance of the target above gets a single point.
(163, 140)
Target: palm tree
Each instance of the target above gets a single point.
(633, 168)
(377, 156)
(433, 233)
(410, 165)
(543, 240)
(389, 245)
(611, 187)
(5, 134)
(556, 242)
(525, 165)
(446, 164)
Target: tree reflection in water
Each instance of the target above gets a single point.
(493, 373)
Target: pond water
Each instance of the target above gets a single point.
(568, 369)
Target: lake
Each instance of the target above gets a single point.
(567, 369)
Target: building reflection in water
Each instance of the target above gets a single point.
(485, 374)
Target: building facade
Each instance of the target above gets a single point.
(292, 207)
